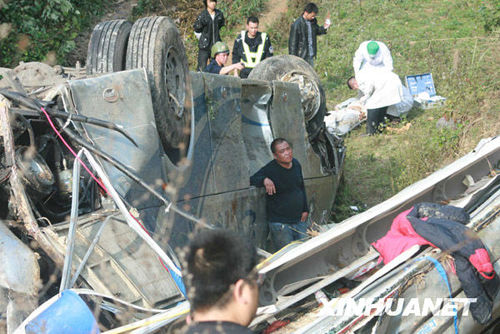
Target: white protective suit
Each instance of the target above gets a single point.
(380, 88)
(350, 113)
(362, 59)
(402, 108)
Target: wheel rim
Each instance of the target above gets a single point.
(175, 81)
(310, 94)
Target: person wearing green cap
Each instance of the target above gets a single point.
(372, 54)
(220, 53)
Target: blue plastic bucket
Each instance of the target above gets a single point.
(68, 314)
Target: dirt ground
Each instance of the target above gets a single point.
(273, 10)
(119, 9)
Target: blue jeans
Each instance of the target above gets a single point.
(283, 234)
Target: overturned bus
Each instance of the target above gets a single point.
(168, 152)
(165, 152)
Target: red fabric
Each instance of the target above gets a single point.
(452, 266)
(481, 261)
(343, 290)
(400, 237)
(275, 326)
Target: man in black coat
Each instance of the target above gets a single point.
(207, 29)
(286, 201)
(303, 32)
(251, 46)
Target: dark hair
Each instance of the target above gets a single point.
(311, 8)
(205, 2)
(349, 85)
(277, 141)
(253, 19)
(216, 259)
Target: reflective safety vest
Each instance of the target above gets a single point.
(253, 58)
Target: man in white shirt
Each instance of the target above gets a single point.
(379, 89)
(372, 54)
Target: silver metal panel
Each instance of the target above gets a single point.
(287, 120)
(122, 264)
(229, 157)
(243, 211)
(17, 278)
(123, 98)
(256, 128)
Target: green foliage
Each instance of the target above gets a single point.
(457, 41)
(145, 8)
(237, 11)
(280, 31)
(44, 26)
(490, 12)
(346, 203)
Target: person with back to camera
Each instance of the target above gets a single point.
(222, 283)
(207, 29)
(378, 90)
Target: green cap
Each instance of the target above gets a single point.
(219, 47)
(372, 48)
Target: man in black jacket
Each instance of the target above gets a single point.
(303, 32)
(206, 28)
(286, 201)
(251, 46)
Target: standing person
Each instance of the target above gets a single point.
(222, 283)
(207, 29)
(220, 52)
(303, 32)
(379, 89)
(286, 201)
(251, 46)
(372, 54)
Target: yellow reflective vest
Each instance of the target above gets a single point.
(252, 58)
